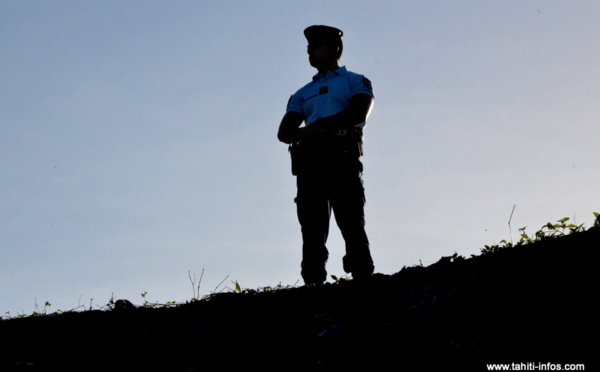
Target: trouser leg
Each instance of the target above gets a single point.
(348, 206)
(313, 214)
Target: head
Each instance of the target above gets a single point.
(324, 46)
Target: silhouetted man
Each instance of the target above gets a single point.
(334, 108)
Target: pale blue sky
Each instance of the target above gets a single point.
(137, 139)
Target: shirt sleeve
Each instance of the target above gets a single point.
(295, 103)
(360, 84)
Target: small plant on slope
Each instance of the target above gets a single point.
(550, 230)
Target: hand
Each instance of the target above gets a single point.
(308, 131)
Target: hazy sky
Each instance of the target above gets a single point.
(138, 139)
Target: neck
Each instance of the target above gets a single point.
(334, 65)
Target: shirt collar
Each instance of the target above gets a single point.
(340, 71)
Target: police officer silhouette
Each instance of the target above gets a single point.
(334, 108)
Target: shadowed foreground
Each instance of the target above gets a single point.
(530, 303)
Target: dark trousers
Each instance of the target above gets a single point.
(335, 186)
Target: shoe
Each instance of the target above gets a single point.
(362, 277)
(313, 284)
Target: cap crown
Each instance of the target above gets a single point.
(318, 33)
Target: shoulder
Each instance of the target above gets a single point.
(353, 76)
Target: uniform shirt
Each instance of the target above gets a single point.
(328, 94)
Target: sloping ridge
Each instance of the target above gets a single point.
(530, 303)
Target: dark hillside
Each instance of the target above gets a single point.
(528, 304)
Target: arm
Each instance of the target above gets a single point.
(289, 129)
(357, 112)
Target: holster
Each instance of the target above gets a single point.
(298, 157)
